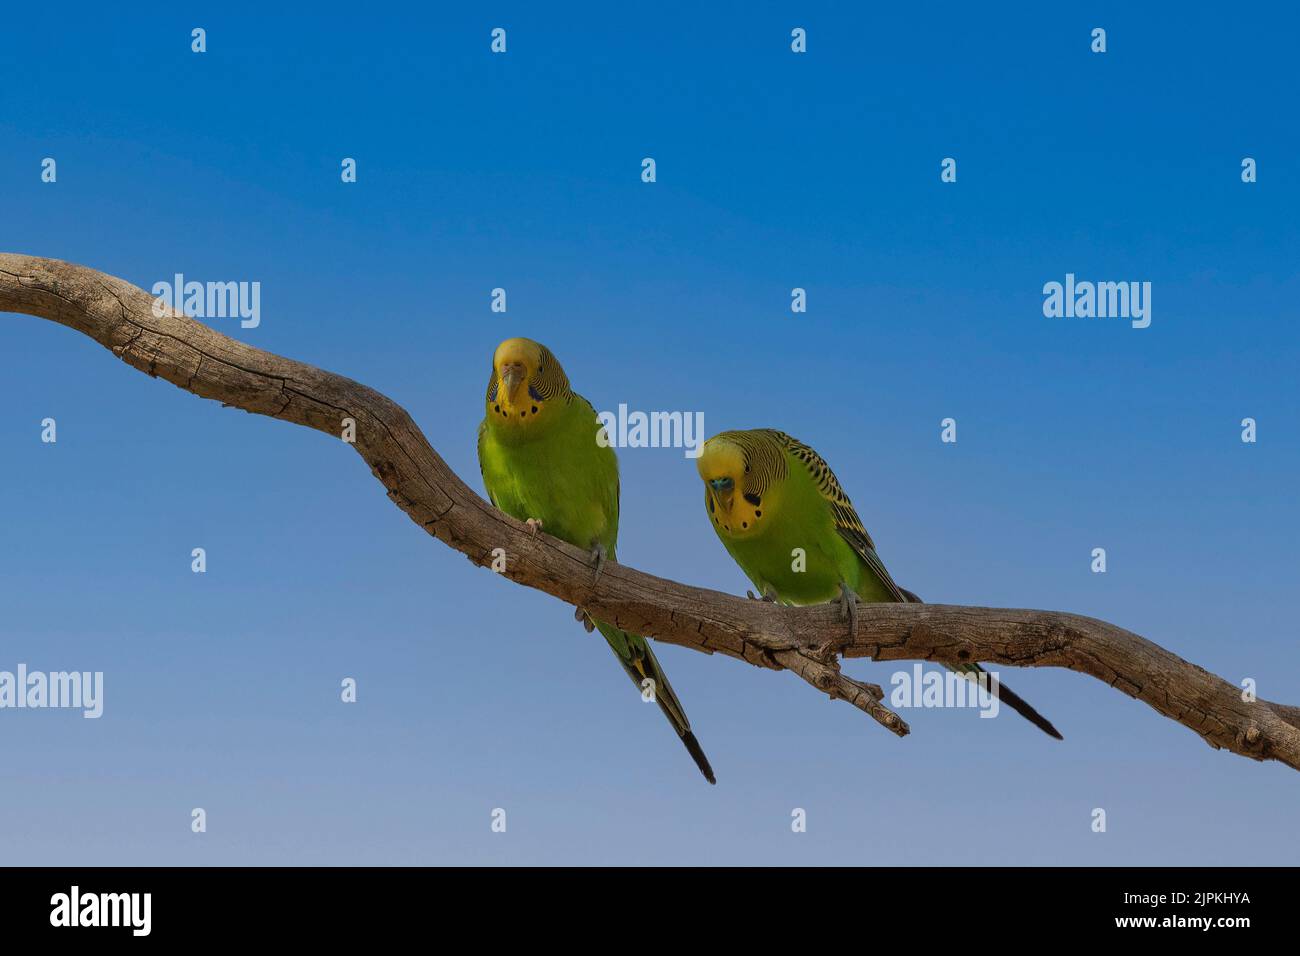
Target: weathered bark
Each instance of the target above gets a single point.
(808, 641)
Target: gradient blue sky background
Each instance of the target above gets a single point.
(775, 171)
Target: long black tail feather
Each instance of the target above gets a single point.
(697, 753)
(1017, 703)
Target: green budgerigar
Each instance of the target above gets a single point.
(542, 463)
(770, 497)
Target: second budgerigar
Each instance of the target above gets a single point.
(768, 497)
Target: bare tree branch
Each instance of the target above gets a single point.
(808, 641)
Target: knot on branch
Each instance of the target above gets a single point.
(1251, 738)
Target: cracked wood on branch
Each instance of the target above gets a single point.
(808, 641)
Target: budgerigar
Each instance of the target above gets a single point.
(542, 463)
(767, 495)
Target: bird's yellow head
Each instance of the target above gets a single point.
(526, 386)
(737, 495)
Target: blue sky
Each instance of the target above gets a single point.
(522, 171)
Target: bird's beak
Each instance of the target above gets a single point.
(723, 497)
(512, 376)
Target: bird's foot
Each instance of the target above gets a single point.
(848, 602)
(598, 555)
(768, 595)
(534, 526)
(581, 615)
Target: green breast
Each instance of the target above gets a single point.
(562, 477)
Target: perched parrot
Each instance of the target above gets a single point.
(542, 463)
(768, 494)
